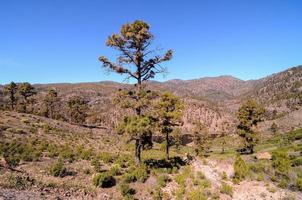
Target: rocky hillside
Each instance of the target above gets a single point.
(211, 100)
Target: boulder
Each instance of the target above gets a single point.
(264, 156)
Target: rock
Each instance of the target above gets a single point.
(264, 156)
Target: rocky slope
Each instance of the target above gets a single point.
(211, 100)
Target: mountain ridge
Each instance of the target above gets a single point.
(211, 100)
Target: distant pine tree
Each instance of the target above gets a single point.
(77, 109)
(249, 114)
(51, 101)
(26, 90)
(201, 138)
(11, 90)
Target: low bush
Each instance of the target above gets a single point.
(180, 179)
(257, 167)
(226, 189)
(297, 161)
(107, 157)
(96, 164)
(125, 190)
(204, 183)
(11, 160)
(67, 154)
(53, 150)
(240, 169)
(18, 181)
(197, 194)
(162, 180)
(84, 154)
(58, 169)
(281, 163)
(12, 153)
(129, 177)
(299, 183)
(104, 180)
(141, 173)
(224, 176)
(115, 170)
(283, 183)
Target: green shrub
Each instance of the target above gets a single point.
(82, 153)
(126, 190)
(205, 183)
(180, 193)
(46, 128)
(281, 163)
(96, 164)
(53, 150)
(157, 194)
(12, 153)
(299, 183)
(226, 189)
(260, 176)
(141, 173)
(283, 183)
(107, 157)
(17, 182)
(30, 153)
(67, 154)
(224, 176)
(240, 169)
(104, 180)
(115, 169)
(11, 160)
(180, 179)
(58, 169)
(129, 177)
(197, 194)
(162, 180)
(257, 167)
(297, 161)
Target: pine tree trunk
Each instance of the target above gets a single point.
(12, 99)
(138, 148)
(167, 146)
(25, 104)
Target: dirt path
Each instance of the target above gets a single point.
(246, 190)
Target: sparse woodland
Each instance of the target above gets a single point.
(219, 138)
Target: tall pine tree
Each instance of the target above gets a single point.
(136, 61)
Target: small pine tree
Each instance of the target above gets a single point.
(11, 90)
(224, 130)
(201, 138)
(26, 90)
(240, 169)
(168, 112)
(77, 109)
(51, 103)
(249, 114)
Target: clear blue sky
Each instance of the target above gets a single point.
(61, 40)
